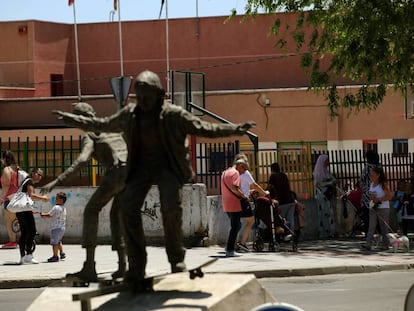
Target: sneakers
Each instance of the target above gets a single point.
(9, 245)
(242, 248)
(53, 259)
(232, 254)
(287, 238)
(28, 259)
(62, 255)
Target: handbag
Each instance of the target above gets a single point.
(20, 201)
(244, 203)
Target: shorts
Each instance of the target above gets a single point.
(56, 236)
(247, 212)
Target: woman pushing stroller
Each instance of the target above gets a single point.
(280, 191)
(269, 211)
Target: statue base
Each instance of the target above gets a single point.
(213, 292)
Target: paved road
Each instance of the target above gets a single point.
(313, 258)
(383, 291)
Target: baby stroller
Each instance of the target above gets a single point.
(273, 225)
(351, 216)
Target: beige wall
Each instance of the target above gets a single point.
(37, 113)
(294, 115)
(299, 115)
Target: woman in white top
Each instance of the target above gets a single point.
(379, 207)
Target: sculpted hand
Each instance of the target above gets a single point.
(59, 113)
(49, 187)
(67, 117)
(247, 125)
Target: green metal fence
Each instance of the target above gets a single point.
(53, 155)
(57, 153)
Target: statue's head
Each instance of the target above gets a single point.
(83, 109)
(149, 78)
(149, 91)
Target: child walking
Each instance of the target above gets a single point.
(58, 215)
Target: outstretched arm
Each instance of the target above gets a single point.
(34, 196)
(113, 123)
(195, 126)
(259, 189)
(84, 156)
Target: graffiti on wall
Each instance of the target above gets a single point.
(150, 210)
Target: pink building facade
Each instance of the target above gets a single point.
(247, 78)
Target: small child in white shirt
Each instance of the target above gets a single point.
(58, 215)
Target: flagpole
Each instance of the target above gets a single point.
(198, 20)
(121, 56)
(77, 52)
(167, 47)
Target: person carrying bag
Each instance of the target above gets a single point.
(244, 201)
(25, 215)
(231, 203)
(20, 201)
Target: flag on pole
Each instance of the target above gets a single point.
(115, 5)
(71, 2)
(162, 4)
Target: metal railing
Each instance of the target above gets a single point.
(56, 154)
(53, 156)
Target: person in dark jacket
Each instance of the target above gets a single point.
(156, 135)
(279, 186)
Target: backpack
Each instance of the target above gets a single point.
(21, 176)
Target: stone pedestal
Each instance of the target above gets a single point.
(214, 292)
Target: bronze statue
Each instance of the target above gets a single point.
(111, 151)
(156, 135)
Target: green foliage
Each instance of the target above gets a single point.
(369, 42)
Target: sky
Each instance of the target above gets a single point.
(91, 11)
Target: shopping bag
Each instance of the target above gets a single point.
(20, 201)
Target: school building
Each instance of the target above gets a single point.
(245, 77)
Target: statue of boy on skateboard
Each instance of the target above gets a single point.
(156, 135)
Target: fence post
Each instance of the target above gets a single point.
(26, 153)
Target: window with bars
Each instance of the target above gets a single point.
(370, 144)
(400, 147)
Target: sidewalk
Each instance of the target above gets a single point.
(312, 258)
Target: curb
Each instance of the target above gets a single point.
(37, 283)
(32, 283)
(328, 270)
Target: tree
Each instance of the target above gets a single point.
(370, 42)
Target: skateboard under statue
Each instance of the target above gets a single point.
(106, 286)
